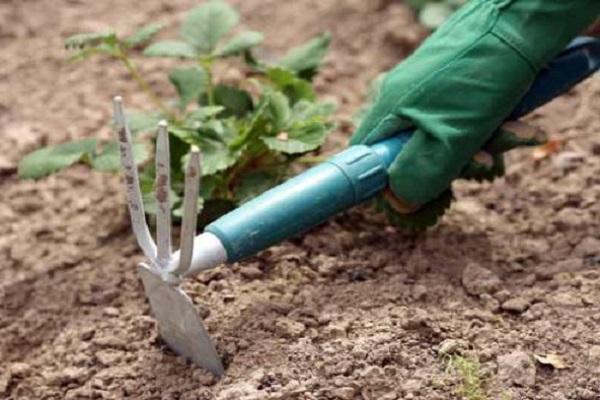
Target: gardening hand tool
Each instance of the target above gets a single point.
(351, 177)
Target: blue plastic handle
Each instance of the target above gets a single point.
(360, 172)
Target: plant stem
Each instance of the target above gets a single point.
(142, 83)
(207, 66)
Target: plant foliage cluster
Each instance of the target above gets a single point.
(249, 132)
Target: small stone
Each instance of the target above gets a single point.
(516, 305)
(109, 357)
(502, 295)
(5, 378)
(419, 292)
(289, 328)
(478, 280)
(451, 346)
(110, 341)
(516, 368)
(418, 318)
(67, 376)
(564, 299)
(19, 369)
(588, 247)
(343, 393)
(251, 272)
(111, 312)
(594, 355)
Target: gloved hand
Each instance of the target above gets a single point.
(459, 87)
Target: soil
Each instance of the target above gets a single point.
(352, 310)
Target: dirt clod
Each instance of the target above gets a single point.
(517, 368)
(478, 280)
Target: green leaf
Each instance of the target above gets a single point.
(45, 161)
(432, 15)
(144, 34)
(254, 183)
(190, 83)
(203, 113)
(299, 140)
(236, 101)
(206, 24)
(216, 157)
(140, 121)
(306, 111)
(279, 108)
(306, 59)
(286, 81)
(109, 159)
(90, 39)
(242, 42)
(171, 48)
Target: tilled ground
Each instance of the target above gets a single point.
(352, 310)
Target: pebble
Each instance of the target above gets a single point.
(66, 376)
(251, 272)
(19, 369)
(588, 247)
(289, 328)
(478, 280)
(419, 292)
(451, 346)
(516, 368)
(516, 305)
(111, 312)
(564, 299)
(343, 393)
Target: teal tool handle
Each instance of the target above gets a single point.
(360, 172)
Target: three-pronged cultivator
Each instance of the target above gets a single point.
(179, 323)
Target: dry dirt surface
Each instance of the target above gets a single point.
(352, 310)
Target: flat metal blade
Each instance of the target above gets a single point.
(179, 323)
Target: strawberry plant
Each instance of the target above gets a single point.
(249, 132)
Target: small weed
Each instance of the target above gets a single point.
(471, 385)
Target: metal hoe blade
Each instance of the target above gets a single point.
(179, 324)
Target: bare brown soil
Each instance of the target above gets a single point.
(352, 310)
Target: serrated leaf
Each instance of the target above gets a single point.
(253, 184)
(236, 101)
(171, 48)
(206, 24)
(109, 158)
(144, 34)
(83, 54)
(240, 43)
(91, 39)
(140, 121)
(45, 161)
(432, 15)
(306, 59)
(294, 87)
(190, 83)
(216, 156)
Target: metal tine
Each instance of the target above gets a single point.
(193, 172)
(162, 189)
(132, 183)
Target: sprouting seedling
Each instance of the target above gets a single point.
(179, 323)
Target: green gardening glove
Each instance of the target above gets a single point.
(460, 85)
